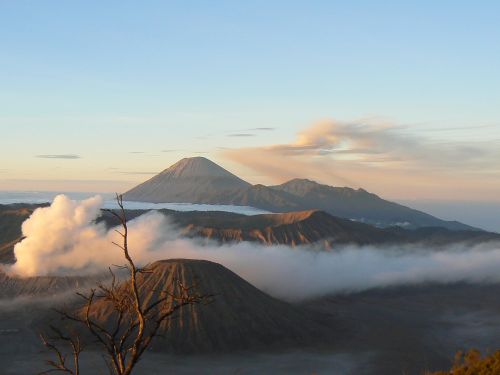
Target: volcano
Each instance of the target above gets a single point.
(240, 316)
(194, 180)
(199, 180)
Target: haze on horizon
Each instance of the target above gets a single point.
(399, 99)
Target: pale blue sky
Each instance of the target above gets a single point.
(105, 80)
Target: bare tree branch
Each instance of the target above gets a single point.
(136, 323)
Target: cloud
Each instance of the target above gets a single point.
(64, 239)
(241, 135)
(59, 156)
(381, 157)
(263, 129)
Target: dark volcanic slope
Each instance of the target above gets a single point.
(361, 205)
(198, 180)
(11, 286)
(293, 228)
(260, 196)
(240, 316)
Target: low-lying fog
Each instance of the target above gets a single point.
(64, 239)
(109, 202)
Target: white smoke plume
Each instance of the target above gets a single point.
(64, 239)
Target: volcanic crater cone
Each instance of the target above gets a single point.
(239, 317)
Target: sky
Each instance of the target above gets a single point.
(400, 98)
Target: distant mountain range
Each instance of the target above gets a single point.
(199, 180)
(312, 227)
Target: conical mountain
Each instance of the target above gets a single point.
(190, 180)
(239, 316)
(198, 180)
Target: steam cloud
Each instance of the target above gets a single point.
(64, 239)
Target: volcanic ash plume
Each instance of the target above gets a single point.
(64, 239)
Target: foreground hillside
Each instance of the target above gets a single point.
(238, 317)
(199, 180)
(381, 331)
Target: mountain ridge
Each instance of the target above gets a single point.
(199, 180)
(307, 227)
(312, 227)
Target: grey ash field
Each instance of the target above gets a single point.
(392, 330)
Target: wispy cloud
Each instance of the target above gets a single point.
(263, 129)
(241, 135)
(59, 156)
(380, 156)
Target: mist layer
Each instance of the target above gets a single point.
(64, 239)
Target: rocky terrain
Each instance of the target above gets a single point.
(312, 227)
